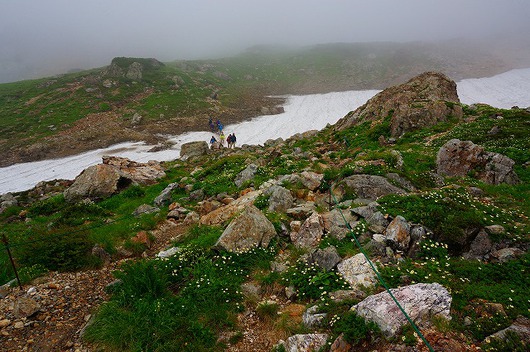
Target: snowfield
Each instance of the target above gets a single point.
(302, 113)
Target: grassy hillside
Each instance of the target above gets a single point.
(194, 298)
(90, 109)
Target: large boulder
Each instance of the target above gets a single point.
(421, 302)
(192, 149)
(251, 229)
(369, 186)
(460, 158)
(96, 182)
(103, 180)
(423, 101)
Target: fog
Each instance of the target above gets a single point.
(45, 37)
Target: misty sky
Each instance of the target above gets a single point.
(44, 37)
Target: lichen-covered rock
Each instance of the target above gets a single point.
(357, 271)
(421, 302)
(305, 342)
(326, 258)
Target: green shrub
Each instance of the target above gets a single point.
(355, 329)
(63, 251)
(47, 207)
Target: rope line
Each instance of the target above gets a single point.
(383, 283)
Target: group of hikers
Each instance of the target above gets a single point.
(214, 143)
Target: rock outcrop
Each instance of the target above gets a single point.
(423, 101)
(461, 158)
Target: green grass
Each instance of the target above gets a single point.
(182, 303)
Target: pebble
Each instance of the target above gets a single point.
(19, 325)
(4, 323)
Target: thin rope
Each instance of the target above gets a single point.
(383, 283)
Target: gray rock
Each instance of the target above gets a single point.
(246, 175)
(251, 291)
(280, 199)
(326, 258)
(336, 222)
(191, 218)
(480, 247)
(377, 222)
(197, 195)
(402, 182)
(521, 327)
(347, 295)
(95, 182)
(505, 254)
(165, 196)
(367, 210)
(459, 158)
(310, 232)
(305, 342)
(134, 71)
(250, 229)
(145, 209)
(312, 319)
(136, 119)
(193, 149)
(370, 186)
(421, 302)
(168, 252)
(357, 271)
(101, 253)
(495, 229)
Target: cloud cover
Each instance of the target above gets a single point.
(45, 37)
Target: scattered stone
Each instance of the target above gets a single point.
(305, 342)
(25, 307)
(480, 247)
(302, 211)
(370, 186)
(495, 229)
(246, 175)
(398, 233)
(165, 196)
(4, 323)
(347, 295)
(310, 232)
(145, 209)
(312, 318)
(311, 180)
(505, 254)
(280, 199)
(357, 271)
(168, 252)
(326, 258)
(521, 327)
